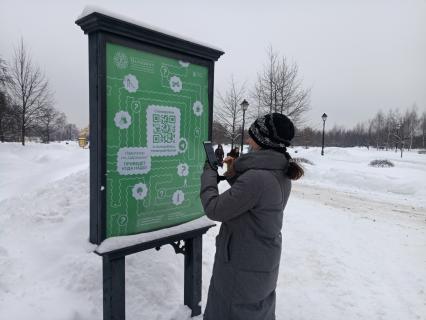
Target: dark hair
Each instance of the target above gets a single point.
(294, 170)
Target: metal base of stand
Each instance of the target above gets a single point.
(193, 272)
(114, 272)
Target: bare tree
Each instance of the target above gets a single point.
(229, 111)
(378, 127)
(71, 132)
(5, 111)
(218, 133)
(28, 88)
(390, 124)
(423, 127)
(49, 121)
(400, 132)
(278, 89)
(4, 74)
(411, 120)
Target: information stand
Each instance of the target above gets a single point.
(151, 106)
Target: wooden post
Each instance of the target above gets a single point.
(114, 287)
(193, 272)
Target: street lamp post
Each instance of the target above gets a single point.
(400, 134)
(324, 117)
(244, 105)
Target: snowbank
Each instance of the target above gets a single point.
(352, 248)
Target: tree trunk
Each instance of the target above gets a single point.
(424, 138)
(23, 128)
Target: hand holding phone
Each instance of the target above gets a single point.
(229, 161)
(211, 157)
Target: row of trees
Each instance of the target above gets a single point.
(394, 130)
(27, 106)
(277, 89)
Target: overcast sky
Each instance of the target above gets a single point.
(357, 56)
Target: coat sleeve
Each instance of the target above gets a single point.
(241, 197)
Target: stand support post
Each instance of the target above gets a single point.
(113, 271)
(193, 272)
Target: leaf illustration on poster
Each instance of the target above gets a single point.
(183, 145)
(139, 191)
(122, 119)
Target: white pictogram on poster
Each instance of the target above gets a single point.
(197, 132)
(133, 161)
(164, 71)
(122, 220)
(184, 64)
(139, 191)
(183, 145)
(182, 170)
(175, 84)
(122, 119)
(136, 106)
(160, 194)
(197, 107)
(163, 130)
(120, 60)
(178, 197)
(130, 83)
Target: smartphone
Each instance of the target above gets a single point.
(211, 157)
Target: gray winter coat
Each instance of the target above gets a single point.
(248, 246)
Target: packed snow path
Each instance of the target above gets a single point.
(350, 251)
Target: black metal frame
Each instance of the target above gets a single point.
(103, 29)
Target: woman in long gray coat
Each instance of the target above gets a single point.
(248, 246)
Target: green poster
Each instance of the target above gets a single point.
(157, 117)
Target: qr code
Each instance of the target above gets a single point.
(163, 128)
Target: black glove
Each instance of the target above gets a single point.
(208, 166)
(220, 178)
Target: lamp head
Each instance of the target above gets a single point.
(244, 105)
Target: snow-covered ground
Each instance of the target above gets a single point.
(354, 241)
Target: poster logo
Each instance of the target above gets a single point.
(120, 60)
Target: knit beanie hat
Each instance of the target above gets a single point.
(272, 131)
